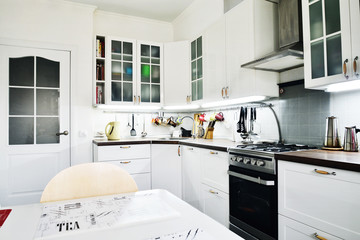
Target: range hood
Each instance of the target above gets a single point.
(290, 55)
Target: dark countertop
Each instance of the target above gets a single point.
(333, 159)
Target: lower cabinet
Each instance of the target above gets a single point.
(166, 168)
(324, 198)
(205, 182)
(293, 230)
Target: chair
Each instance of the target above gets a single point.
(88, 180)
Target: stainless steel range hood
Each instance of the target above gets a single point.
(290, 54)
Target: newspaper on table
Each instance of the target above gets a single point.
(192, 234)
(104, 212)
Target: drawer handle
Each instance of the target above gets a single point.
(211, 152)
(213, 192)
(125, 162)
(125, 147)
(319, 237)
(190, 148)
(324, 172)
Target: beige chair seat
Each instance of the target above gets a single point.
(88, 180)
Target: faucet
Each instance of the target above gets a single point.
(193, 128)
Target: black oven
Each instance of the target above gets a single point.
(253, 204)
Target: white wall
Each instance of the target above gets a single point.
(196, 18)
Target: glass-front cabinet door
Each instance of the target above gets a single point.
(196, 69)
(149, 73)
(355, 34)
(327, 42)
(122, 71)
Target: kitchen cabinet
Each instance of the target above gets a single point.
(127, 71)
(177, 73)
(251, 32)
(331, 48)
(323, 198)
(196, 61)
(215, 81)
(135, 159)
(290, 229)
(166, 168)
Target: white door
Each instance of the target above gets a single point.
(34, 106)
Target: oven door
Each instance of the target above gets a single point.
(253, 203)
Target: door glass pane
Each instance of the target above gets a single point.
(193, 70)
(116, 56)
(47, 102)
(116, 70)
(155, 51)
(155, 74)
(145, 73)
(193, 91)
(128, 48)
(128, 92)
(317, 59)
(316, 23)
(155, 60)
(21, 71)
(332, 16)
(334, 55)
(145, 59)
(145, 92)
(46, 129)
(116, 91)
(47, 73)
(199, 89)
(193, 50)
(199, 47)
(116, 47)
(21, 101)
(128, 71)
(127, 58)
(155, 93)
(145, 50)
(199, 68)
(21, 130)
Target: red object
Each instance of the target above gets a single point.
(3, 215)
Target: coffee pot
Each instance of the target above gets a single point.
(112, 130)
(350, 139)
(332, 137)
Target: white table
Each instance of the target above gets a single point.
(24, 219)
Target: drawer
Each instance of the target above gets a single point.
(329, 202)
(143, 181)
(134, 165)
(290, 229)
(215, 166)
(119, 152)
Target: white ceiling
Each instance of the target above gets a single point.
(163, 10)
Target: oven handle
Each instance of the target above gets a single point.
(252, 179)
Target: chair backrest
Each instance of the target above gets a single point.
(88, 180)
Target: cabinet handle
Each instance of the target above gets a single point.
(139, 99)
(346, 75)
(179, 150)
(125, 147)
(222, 92)
(134, 99)
(211, 152)
(125, 162)
(227, 92)
(213, 192)
(356, 71)
(190, 148)
(319, 237)
(324, 172)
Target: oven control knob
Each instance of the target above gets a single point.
(253, 161)
(233, 158)
(260, 163)
(239, 159)
(246, 160)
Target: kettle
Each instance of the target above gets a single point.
(112, 130)
(332, 137)
(350, 139)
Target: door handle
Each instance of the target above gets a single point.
(252, 179)
(345, 71)
(356, 70)
(63, 133)
(179, 151)
(319, 237)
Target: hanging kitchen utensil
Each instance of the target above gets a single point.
(132, 131)
(143, 133)
(238, 125)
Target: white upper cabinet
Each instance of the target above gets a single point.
(177, 73)
(251, 32)
(215, 82)
(331, 33)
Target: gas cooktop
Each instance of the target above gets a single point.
(275, 147)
